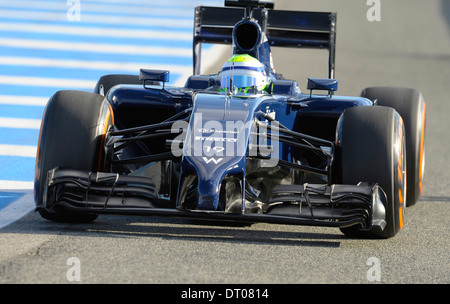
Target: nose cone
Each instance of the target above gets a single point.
(216, 144)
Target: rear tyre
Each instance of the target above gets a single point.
(372, 145)
(73, 130)
(105, 83)
(409, 103)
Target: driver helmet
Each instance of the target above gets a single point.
(244, 72)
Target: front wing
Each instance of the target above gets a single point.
(307, 204)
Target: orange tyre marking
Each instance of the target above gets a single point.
(109, 114)
(422, 140)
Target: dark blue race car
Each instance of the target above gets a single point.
(243, 145)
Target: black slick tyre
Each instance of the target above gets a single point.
(73, 130)
(409, 103)
(372, 150)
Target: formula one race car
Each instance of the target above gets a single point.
(243, 145)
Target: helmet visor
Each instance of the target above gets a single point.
(238, 81)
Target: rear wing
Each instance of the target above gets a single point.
(282, 28)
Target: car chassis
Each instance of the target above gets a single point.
(155, 156)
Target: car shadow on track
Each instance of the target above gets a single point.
(225, 232)
(184, 229)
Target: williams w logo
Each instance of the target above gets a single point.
(212, 159)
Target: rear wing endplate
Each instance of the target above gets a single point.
(294, 29)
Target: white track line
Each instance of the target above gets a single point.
(20, 123)
(18, 150)
(133, 67)
(98, 19)
(23, 100)
(165, 3)
(145, 9)
(95, 31)
(105, 48)
(17, 209)
(48, 82)
(7, 185)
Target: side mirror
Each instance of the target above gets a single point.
(324, 84)
(154, 75)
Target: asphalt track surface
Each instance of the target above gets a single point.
(409, 47)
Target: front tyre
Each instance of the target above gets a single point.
(73, 130)
(410, 104)
(372, 146)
